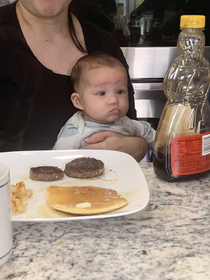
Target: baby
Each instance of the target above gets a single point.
(101, 95)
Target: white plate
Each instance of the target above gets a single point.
(122, 173)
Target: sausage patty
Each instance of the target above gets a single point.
(46, 173)
(84, 167)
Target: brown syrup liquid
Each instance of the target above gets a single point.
(162, 169)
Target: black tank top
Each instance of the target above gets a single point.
(35, 102)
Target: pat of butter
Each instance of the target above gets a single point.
(83, 205)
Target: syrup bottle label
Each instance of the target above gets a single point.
(190, 154)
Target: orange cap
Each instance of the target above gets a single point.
(192, 21)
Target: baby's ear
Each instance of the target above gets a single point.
(75, 98)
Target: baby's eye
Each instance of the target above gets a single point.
(120, 91)
(101, 93)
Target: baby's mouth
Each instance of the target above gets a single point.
(115, 111)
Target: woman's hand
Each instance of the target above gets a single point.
(109, 140)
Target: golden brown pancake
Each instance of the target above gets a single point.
(84, 200)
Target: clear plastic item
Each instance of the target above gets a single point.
(182, 143)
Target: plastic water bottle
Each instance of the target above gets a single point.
(182, 143)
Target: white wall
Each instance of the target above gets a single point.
(5, 2)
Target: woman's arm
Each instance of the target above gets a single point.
(109, 140)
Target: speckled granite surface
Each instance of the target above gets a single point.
(169, 240)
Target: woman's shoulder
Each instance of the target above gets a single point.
(95, 28)
(7, 12)
(97, 39)
(96, 35)
(92, 28)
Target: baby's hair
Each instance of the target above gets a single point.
(92, 61)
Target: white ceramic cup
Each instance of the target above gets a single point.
(6, 240)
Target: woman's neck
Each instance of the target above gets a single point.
(47, 27)
(49, 39)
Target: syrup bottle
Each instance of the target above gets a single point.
(182, 143)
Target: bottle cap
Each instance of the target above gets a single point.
(192, 21)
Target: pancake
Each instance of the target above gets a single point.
(84, 200)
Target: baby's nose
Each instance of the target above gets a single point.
(113, 99)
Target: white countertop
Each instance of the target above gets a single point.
(169, 240)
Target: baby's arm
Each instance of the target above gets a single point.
(144, 130)
(68, 138)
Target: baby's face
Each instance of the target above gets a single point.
(104, 94)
